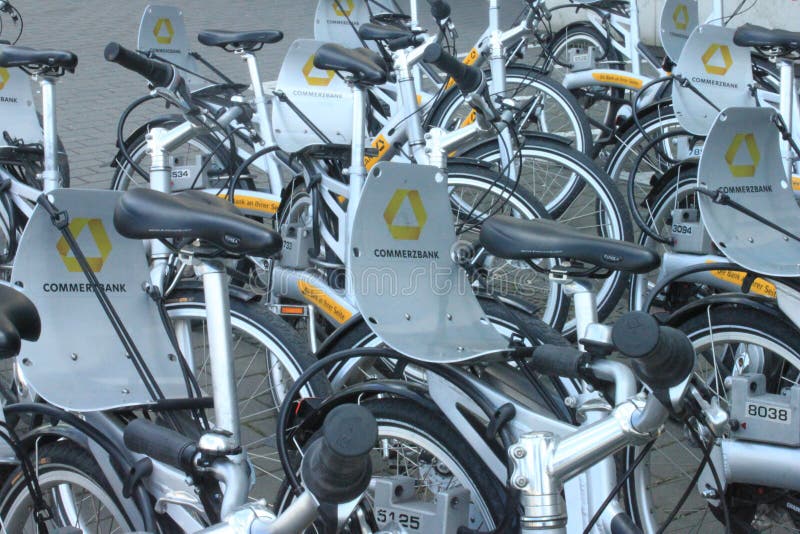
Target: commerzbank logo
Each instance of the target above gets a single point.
(313, 79)
(98, 235)
(405, 215)
(717, 59)
(343, 8)
(743, 156)
(681, 17)
(4, 76)
(163, 31)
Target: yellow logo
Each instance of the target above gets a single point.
(405, 232)
(100, 240)
(316, 80)
(739, 170)
(4, 76)
(163, 31)
(342, 11)
(727, 60)
(681, 17)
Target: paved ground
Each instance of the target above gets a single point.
(91, 100)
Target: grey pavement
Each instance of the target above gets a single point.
(91, 101)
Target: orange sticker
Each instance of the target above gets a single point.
(247, 202)
(324, 302)
(382, 145)
(469, 119)
(619, 79)
(759, 286)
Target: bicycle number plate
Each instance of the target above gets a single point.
(768, 413)
(718, 70)
(17, 111)
(742, 158)
(405, 283)
(678, 21)
(162, 32)
(337, 21)
(79, 363)
(320, 95)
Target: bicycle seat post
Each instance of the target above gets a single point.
(788, 96)
(357, 172)
(50, 176)
(583, 298)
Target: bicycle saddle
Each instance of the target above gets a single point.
(246, 40)
(22, 56)
(758, 36)
(18, 320)
(359, 63)
(519, 239)
(382, 32)
(148, 214)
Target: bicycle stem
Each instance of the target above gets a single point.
(542, 461)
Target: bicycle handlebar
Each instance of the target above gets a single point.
(466, 77)
(157, 73)
(439, 10)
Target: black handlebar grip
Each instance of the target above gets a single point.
(555, 360)
(336, 467)
(160, 443)
(467, 77)
(439, 10)
(158, 73)
(663, 357)
(405, 42)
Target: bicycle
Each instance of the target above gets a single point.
(67, 478)
(448, 430)
(258, 334)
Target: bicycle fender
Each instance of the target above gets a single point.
(754, 302)
(236, 292)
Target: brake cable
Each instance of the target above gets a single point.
(621, 482)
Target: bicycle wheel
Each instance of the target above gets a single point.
(268, 354)
(419, 443)
(189, 156)
(74, 488)
(575, 192)
(476, 193)
(728, 340)
(547, 105)
(598, 102)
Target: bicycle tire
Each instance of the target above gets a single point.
(66, 466)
